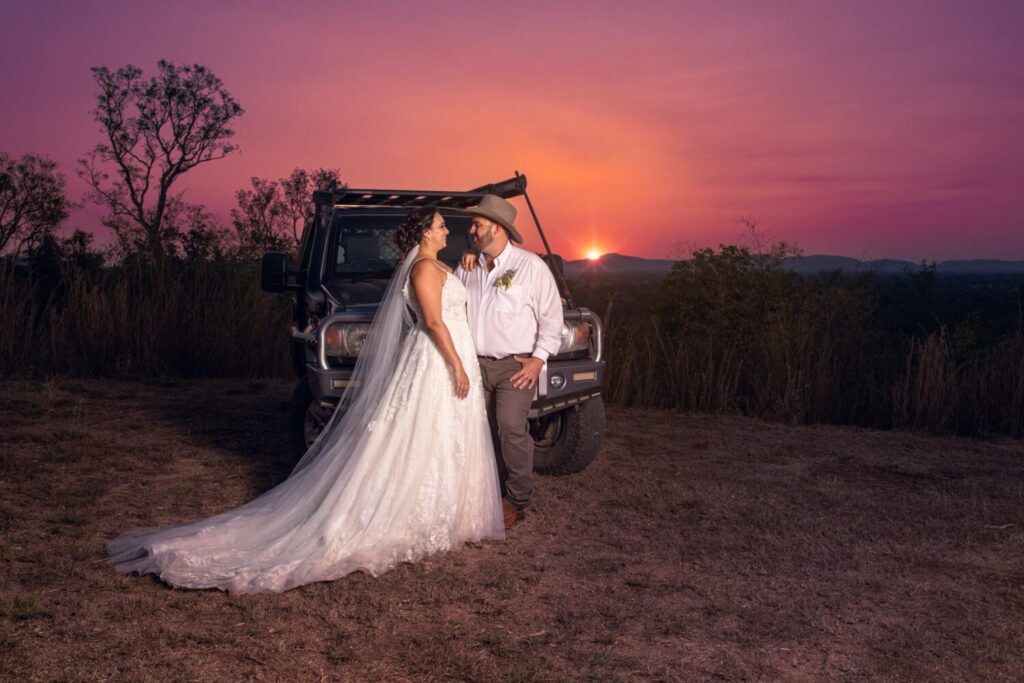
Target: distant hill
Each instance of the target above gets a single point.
(618, 263)
(980, 266)
(820, 263)
(805, 265)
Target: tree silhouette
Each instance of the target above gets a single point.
(273, 208)
(155, 130)
(260, 219)
(297, 194)
(32, 200)
(79, 253)
(205, 238)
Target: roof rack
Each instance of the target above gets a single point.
(348, 196)
(511, 187)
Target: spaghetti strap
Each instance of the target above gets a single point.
(427, 258)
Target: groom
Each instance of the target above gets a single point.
(515, 314)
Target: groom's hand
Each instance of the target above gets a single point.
(527, 375)
(469, 260)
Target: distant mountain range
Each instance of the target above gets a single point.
(620, 263)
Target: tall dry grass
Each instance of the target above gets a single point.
(206, 319)
(726, 332)
(968, 393)
(731, 332)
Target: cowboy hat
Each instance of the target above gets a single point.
(501, 211)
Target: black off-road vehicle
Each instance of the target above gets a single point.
(346, 258)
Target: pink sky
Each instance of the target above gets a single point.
(888, 129)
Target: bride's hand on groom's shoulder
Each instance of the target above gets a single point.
(469, 261)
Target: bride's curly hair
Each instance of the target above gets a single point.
(417, 222)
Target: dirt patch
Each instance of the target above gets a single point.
(695, 548)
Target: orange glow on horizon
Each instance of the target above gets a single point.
(635, 128)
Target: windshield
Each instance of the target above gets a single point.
(364, 246)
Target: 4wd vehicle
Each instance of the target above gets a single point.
(346, 258)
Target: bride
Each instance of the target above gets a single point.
(405, 472)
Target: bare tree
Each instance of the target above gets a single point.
(179, 220)
(156, 130)
(134, 239)
(297, 190)
(260, 219)
(32, 200)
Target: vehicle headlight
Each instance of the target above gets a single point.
(346, 339)
(575, 336)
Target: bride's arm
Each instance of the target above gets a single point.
(427, 281)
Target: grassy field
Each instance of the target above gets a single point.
(695, 548)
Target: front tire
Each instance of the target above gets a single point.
(306, 418)
(567, 441)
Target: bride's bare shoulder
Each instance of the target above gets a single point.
(427, 264)
(426, 271)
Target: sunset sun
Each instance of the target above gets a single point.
(593, 255)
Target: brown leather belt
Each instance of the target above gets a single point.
(527, 354)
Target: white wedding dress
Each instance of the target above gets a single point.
(418, 478)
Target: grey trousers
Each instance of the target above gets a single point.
(513, 445)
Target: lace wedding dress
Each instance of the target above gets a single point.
(415, 478)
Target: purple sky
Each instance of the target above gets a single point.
(889, 129)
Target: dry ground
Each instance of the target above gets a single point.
(695, 548)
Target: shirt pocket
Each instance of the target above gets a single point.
(510, 300)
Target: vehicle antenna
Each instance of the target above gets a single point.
(559, 276)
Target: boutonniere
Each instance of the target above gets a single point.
(505, 281)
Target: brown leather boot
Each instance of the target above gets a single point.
(512, 514)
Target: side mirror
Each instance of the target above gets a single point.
(274, 272)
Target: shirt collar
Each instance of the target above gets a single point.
(499, 259)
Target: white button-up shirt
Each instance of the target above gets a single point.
(525, 317)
